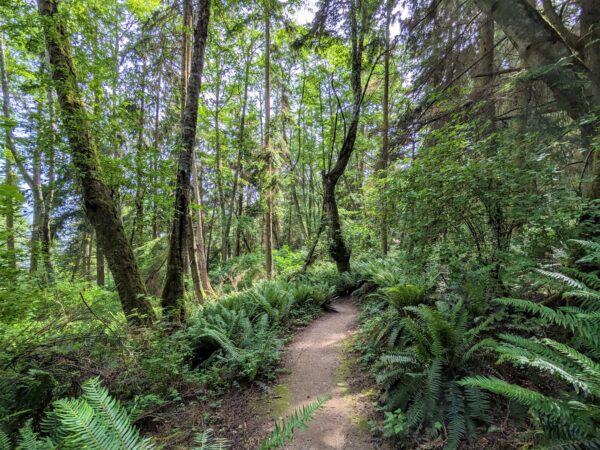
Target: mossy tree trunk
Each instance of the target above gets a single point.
(267, 149)
(99, 205)
(338, 250)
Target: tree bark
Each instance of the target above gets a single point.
(190, 257)
(383, 157)
(9, 179)
(219, 166)
(483, 82)
(137, 231)
(38, 194)
(99, 205)
(590, 36)
(201, 248)
(48, 192)
(337, 247)
(100, 279)
(572, 81)
(186, 54)
(238, 228)
(193, 252)
(173, 291)
(267, 149)
(541, 46)
(242, 148)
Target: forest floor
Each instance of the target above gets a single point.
(318, 363)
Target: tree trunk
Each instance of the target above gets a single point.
(241, 151)
(540, 45)
(99, 205)
(337, 247)
(173, 292)
(238, 228)
(310, 256)
(201, 248)
(572, 82)
(590, 36)
(193, 252)
(138, 228)
(219, 166)
(186, 54)
(155, 161)
(10, 208)
(48, 193)
(267, 149)
(38, 195)
(483, 83)
(383, 157)
(100, 279)
(87, 256)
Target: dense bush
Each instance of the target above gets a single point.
(570, 418)
(420, 378)
(233, 338)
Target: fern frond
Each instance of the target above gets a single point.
(456, 418)
(113, 416)
(207, 441)
(588, 298)
(558, 276)
(484, 343)
(590, 367)
(591, 280)
(29, 440)
(4, 441)
(79, 425)
(574, 444)
(590, 246)
(284, 430)
(527, 397)
(548, 314)
(398, 358)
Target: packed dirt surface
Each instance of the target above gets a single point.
(314, 360)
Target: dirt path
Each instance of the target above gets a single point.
(314, 360)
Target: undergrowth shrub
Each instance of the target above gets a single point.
(569, 419)
(93, 421)
(234, 338)
(420, 378)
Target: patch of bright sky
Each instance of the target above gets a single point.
(306, 13)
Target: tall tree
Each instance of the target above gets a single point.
(267, 147)
(385, 130)
(173, 291)
(338, 250)
(200, 246)
(8, 173)
(99, 205)
(186, 64)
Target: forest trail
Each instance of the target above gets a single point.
(315, 363)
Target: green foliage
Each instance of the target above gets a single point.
(403, 295)
(4, 441)
(284, 429)
(570, 419)
(207, 441)
(241, 332)
(94, 421)
(394, 423)
(420, 380)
